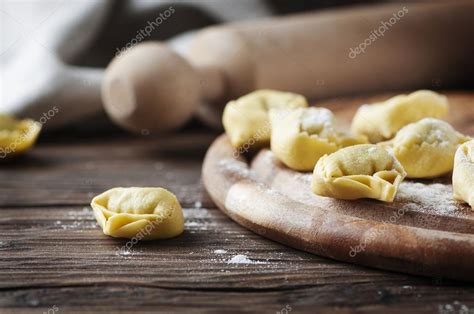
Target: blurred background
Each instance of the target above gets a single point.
(53, 53)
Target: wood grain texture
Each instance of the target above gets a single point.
(52, 252)
(412, 235)
(58, 256)
(71, 173)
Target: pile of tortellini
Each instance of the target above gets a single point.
(399, 138)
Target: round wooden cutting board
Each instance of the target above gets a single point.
(424, 231)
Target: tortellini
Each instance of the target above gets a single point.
(145, 213)
(360, 171)
(463, 173)
(246, 119)
(301, 136)
(381, 121)
(426, 148)
(17, 136)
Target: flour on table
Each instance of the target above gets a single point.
(241, 259)
(125, 254)
(86, 212)
(193, 224)
(199, 225)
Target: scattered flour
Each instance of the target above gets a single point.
(78, 225)
(200, 219)
(193, 224)
(241, 259)
(197, 225)
(124, 253)
(315, 120)
(268, 157)
(199, 213)
(220, 251)
(234, 165)
(304, 177)
(86, 211)
(434, 197)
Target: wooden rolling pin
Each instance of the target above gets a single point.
(323, 54)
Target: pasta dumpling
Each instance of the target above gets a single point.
(301, 136)
(17, 136)
(246, 119)
(145, 213)
(381, 121)
(463, 173)
(360, 171)
(426, 148)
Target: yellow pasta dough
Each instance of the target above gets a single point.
(360, 171)
(463, 173)
(381, 121)
(145, 213)
(17, 136)
(246, 119)
(301, 136)
(426, 148)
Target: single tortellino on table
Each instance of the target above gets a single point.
(360, 171)
(301, 136)
(17, 136)
(246, 120)
(143, 213)
(463, 173)
(381, 121)
(426, 148)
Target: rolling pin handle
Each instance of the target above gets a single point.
(153, 88)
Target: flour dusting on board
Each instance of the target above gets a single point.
(304, 177)
(414, 196)
(234, 165)
(434, 197)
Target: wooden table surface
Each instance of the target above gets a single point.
(54, 257)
